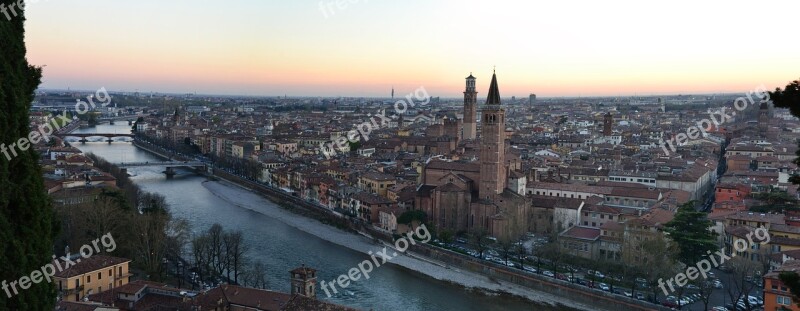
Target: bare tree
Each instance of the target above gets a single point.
(256, 276)
(480, 239)
(706, 289)
(506, 247)
(235, 250)
(149, 240)
(216, 246)
(741, 277)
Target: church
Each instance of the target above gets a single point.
(487, 194)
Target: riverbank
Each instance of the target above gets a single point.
(239, 196)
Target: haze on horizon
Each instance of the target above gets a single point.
(311, 48)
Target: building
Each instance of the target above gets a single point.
(608, 122)
(304, 282)
(492, 154)
(776, 294)
(92, 275)
(470, 109)
(377, 183)
(763, 119)
(474, 195)
(531, 100)
(149, 296)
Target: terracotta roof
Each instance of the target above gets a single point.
(454, 166)
(579, 232)
(90, 264)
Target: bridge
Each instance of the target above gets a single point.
(169, 165)
(84, 136)
(129, 118)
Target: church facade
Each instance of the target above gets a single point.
(487, 194)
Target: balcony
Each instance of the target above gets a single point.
(71, 291)
(123, 276)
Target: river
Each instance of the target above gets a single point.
(282, 247)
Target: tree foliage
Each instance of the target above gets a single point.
(792, 281)
(789, 97)
(408, 217)
(690, 229)
(27, 228)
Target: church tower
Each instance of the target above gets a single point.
(608, 121)
(492, 157)
(763, 119)
(470, 109)
(304, 282)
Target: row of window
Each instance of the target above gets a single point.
(625, 179)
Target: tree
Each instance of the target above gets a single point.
(256, 276)
(216, 247)
(658, 263)
(789, 98)
(235, 250)
(741, 279)
(706, 289)
(506, 249)
(792, 280)
(480, 238)
(27, 226)
(690, 229)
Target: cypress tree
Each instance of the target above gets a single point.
(26, 216)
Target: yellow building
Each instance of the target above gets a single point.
(90, 276)
(378, 183)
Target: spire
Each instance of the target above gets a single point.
(494, 92)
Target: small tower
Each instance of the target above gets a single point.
(608, 121)
(470, 130)
(492, 154)
(763, 118)
(304, 281)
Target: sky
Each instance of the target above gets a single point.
(366, 47)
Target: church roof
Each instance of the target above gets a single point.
(494, 92)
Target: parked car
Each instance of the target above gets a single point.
(640, 296)
(604, 287)
(755, 301)
(599, 275)
(548, 273)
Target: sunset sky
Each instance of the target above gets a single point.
(551, 48)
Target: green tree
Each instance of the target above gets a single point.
(792, 280)
(690, 229)
(27, 228)
(789, 97)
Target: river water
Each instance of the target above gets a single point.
(282, 247)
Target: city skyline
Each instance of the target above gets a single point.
(319, 49)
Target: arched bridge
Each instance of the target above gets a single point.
(87, 135)
(168, 165)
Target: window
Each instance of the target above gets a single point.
(88, 279)
(99, 275)
(110, 271)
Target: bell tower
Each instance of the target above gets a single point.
(492, 157)
(470, 109)
(304, 282)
